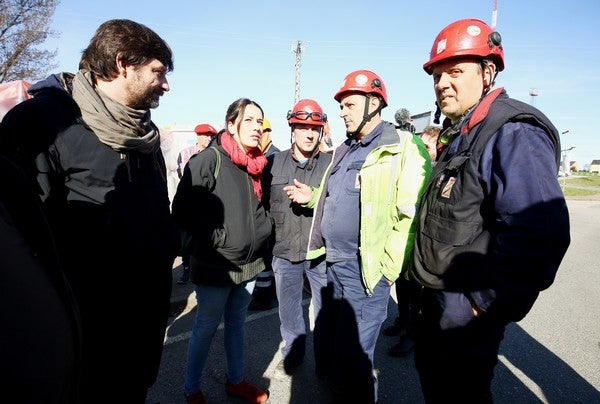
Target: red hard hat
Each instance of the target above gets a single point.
(362, 81)
(205, 129)
(469, 37)
(307, 112)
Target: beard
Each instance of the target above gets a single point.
(144, 97)
(148, 100)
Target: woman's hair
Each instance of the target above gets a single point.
(128, 40)
(237, 109)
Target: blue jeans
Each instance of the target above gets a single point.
(289, 283)
(350, 323)
(229, 303)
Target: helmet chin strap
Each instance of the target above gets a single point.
(366, 116)
(487, 87)
(311, 160)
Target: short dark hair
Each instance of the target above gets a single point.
(131, 41)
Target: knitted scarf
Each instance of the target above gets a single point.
(116, 125)
(254, 161)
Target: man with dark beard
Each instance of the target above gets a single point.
(92, 154)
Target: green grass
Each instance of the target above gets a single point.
(588, 181)
(579, 192)
(581, 184)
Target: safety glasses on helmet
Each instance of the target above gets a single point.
(304, 116)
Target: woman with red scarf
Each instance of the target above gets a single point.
(218, 204)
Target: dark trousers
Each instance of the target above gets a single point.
(348, 327)
(264, 289)
(456, 352)
(185, 261)
(408, 295)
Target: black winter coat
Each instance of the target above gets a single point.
(229, 225)
(39, 316)
(110, 214)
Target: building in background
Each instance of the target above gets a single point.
(423, 120)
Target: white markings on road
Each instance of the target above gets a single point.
(533, 386)
(191, 304)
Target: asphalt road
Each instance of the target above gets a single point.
(552, 356)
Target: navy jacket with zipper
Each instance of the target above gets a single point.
(493, 222)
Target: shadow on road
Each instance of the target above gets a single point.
(527, 371)
(530, 373)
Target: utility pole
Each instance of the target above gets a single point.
(533, 92)
(298, 51)
(495, 15)
(565, 156)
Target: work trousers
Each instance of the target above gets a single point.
(289, 283)
(456, 351)
(350, 322)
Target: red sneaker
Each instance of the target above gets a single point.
(247, 392)
(196, 398)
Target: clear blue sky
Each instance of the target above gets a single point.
(228, 49)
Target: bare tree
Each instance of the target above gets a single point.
(24, 26)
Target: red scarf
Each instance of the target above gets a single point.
(253, 161)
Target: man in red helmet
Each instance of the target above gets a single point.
(364, 210)
(204, 134)
(304, 162)
(493, 225)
